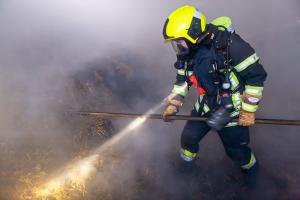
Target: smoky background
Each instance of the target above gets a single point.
(46, 43)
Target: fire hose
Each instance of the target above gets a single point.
(186, 117)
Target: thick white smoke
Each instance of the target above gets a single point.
(45, 41)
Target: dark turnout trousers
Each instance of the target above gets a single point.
(235, 140)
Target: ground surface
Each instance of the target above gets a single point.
(212, 178)
(146, 164)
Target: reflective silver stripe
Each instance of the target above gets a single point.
(230, 28)
(236, 100)
(230, 124)
(187, 155)
(254, 90)
(200, 98)
(197, 14)
(190, 73)
(205, 109)
(182, 72)
(197, 104)
(184, 157)
(251, 162)
(234, 114)
(249, 107)
(247, 62)
(180, 89)
(233, 80)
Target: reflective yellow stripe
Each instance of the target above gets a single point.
(250, 163)
(205, 109)
(197, 104)
(182, 72)
(249, 107)
(188, 153)
(247, 62)
(236, 100)
(233, 101)
(234, 81)
(231, 124)
(254, 90)
(235, 113)
(180, 89)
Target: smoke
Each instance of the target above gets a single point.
(47, 44)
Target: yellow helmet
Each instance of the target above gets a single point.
(186, 22)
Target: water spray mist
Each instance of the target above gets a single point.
(78, 173)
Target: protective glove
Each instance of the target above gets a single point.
(219, 118)
(174, 99)
(173, 102)
(246, 118)
(169, 111)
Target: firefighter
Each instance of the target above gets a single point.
(228, 76)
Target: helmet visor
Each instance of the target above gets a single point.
(180, 46)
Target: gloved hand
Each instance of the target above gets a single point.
(174, 102)
(174, 99)
(169, 111)
(219, 118)
(246, 118)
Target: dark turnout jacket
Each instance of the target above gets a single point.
(247, 75)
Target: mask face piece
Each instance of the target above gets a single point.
(180, 47)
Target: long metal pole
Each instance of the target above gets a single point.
(186, 117)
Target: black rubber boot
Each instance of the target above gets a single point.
(185, 168)
(251, 176)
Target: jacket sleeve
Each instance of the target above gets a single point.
(180, 87)
(246, 64)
